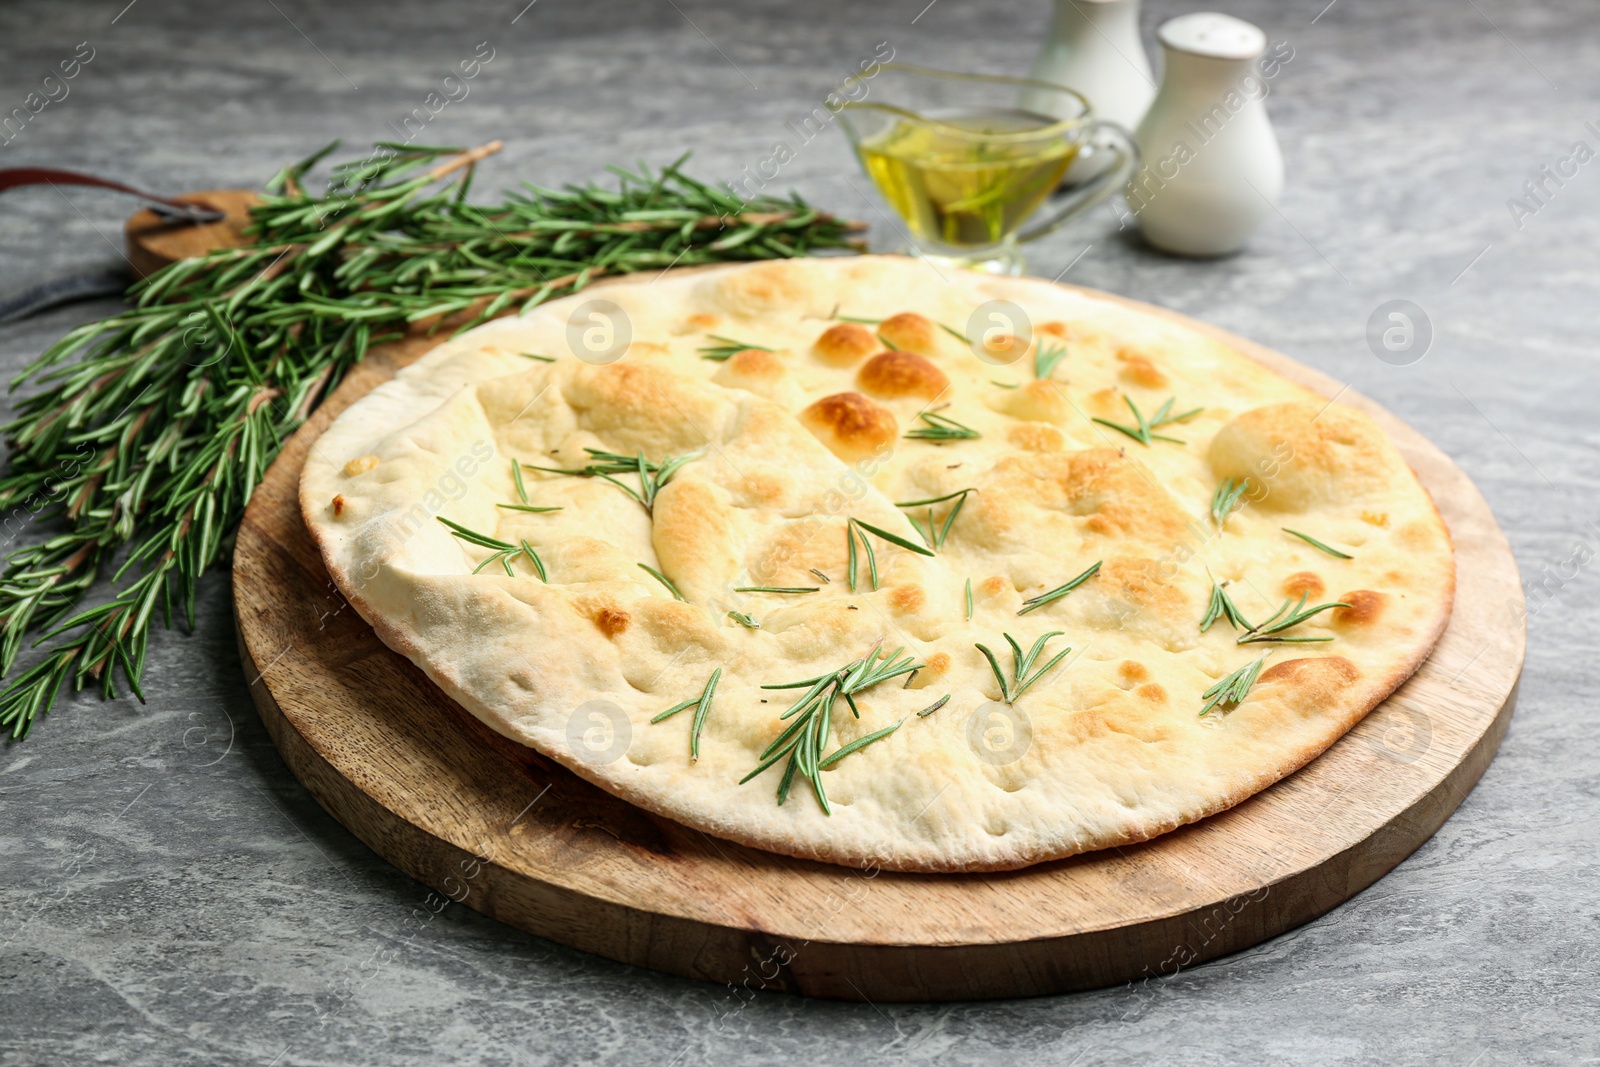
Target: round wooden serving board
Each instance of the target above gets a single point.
(496, 826)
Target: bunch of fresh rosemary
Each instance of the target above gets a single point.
(153, 427)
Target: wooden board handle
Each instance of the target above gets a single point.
(154, 242)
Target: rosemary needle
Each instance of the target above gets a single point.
(1314, 543)
(855, 746)
(702, 709)
(854, 529)
(935, 535)
(1144, 430)
(670, 712)
(726, 348)
(1061, 590)
(777, 588)
(501, 552)
(537, 356)
(935, 706)
(1230, 691)
(1285, 618)
(1222, 606)
(473, 536)
(1225, 501)
(533, 557)
(893, 539)
(941, 428)
(516, 480)
(803, 740)
(530, 508)
(969, 600)
(652, 476)
(744, 620)
(1045, 360)
(933, 499)
(1021, 663)
(663, 579)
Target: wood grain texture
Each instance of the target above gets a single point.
(498, 827)
(153, 242)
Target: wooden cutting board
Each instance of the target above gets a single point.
(498, 827)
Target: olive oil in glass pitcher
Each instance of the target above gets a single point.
(965, 167)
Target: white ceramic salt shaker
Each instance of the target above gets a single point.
(1094, 47)
(1211, 169)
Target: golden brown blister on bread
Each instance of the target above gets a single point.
(895, 375)
(1097, 493)
(1036, 437)
(1304, 583)
(1365, 608)
(788, 445)
(844, 344)
(1039, 401)
(852, 426)
(911, 332)
(1138, 369)
(763, 288)
(760, 372)
(1308, 686)
(1324, 454)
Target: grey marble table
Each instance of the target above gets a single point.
(172, 896)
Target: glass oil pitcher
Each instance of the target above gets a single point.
(966, 167)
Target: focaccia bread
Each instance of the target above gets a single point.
(1107, 499)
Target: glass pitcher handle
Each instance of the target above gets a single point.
(1103, 137)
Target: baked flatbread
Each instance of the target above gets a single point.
(1097, 443)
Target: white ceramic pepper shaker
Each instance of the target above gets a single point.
(1211, 169)
(1094, 47)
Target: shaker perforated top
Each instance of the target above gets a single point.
(1213, 35)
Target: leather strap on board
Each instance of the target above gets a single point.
(197, 211)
